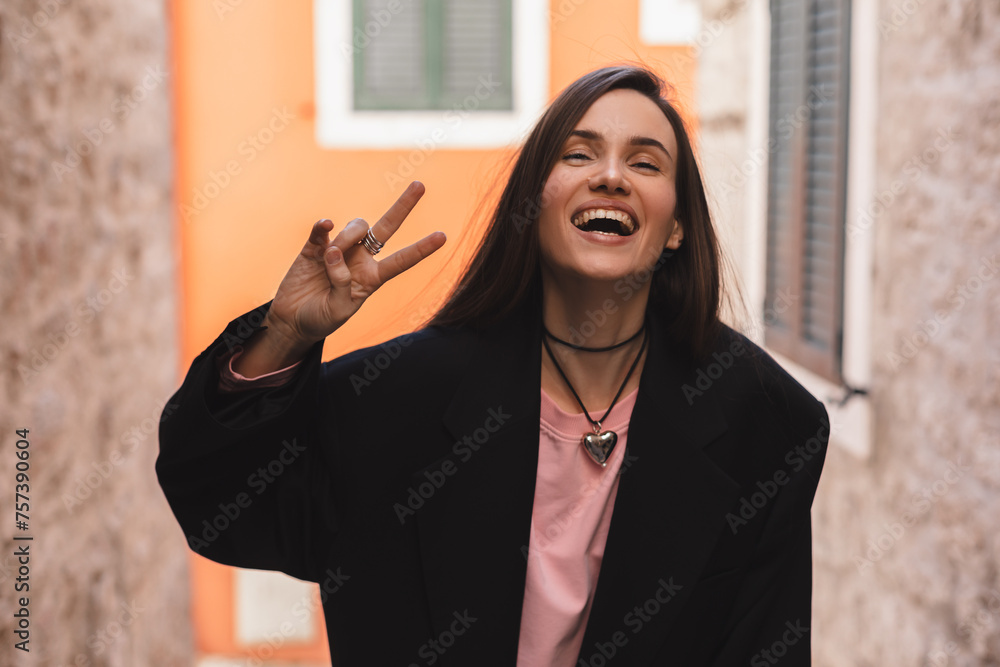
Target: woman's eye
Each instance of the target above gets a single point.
(647, 165)
(574, 156)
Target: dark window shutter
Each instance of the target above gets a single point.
(432, 54)
(807, 181)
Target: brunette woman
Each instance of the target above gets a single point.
(574, 463)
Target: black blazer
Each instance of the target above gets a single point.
(401, 478)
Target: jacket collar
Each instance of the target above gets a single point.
(474, 535)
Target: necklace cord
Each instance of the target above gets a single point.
(628, 375)
(582, 348)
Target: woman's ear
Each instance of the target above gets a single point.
(676, 236)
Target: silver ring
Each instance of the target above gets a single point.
(371, 244)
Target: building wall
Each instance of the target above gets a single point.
(89, 336)
(907, 540)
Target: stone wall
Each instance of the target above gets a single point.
(907, 541)
(89, 335)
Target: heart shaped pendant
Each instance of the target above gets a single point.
(600, 445)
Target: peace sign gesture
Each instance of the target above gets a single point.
(328, 282)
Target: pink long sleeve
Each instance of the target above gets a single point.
(230, 380)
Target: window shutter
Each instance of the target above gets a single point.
(432, 54)
(477, 48)
(390, 58)
(807, 181)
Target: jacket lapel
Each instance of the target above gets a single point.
(474, 531)
(668, 514)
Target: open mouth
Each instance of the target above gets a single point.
(605, 221)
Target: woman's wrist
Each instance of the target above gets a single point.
(270, 349)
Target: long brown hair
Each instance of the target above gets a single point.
(504, 272)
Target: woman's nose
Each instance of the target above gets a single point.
(610, 177)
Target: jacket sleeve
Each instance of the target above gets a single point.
(770, 618)
(243, 472)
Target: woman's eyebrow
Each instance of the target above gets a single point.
(589, 135)
(649, 141)
(635, 140)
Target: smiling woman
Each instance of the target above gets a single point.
(588, 228)
(478, 484)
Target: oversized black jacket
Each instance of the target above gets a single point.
(401, 478)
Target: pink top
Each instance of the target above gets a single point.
(570, 517)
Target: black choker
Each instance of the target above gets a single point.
(581, 348)
(600, 443)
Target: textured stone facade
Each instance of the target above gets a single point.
(89, 336)
(907, 541)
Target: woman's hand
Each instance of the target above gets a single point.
(328, 282)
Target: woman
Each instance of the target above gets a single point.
(575, 463)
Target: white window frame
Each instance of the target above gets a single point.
(339, 126)
(669, 22)
(851, 423)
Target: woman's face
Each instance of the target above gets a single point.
(608, 204)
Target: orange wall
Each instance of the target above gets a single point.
(230, 73)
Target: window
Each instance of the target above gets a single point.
(429, 74)
(807, 182)
(432, 54)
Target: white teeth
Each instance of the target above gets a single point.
(611, 214)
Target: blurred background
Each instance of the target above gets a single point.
(162, 163)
